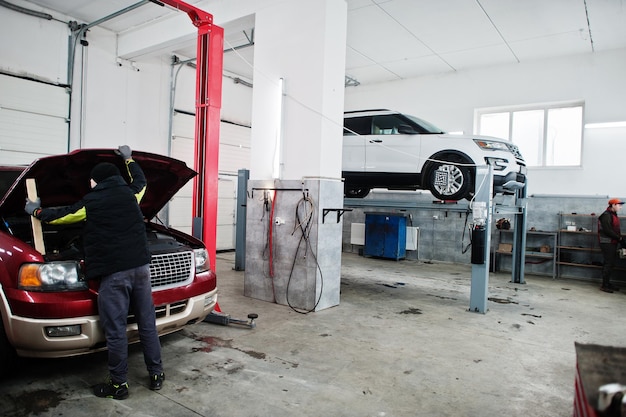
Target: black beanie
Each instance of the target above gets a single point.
(103, 171)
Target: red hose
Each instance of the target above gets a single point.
(271, 242)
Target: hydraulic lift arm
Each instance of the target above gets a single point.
(209, 61)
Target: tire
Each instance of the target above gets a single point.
(450, 181)
(356, 192)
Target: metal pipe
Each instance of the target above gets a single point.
(116, 14)
(24, 10)
(461, 206)
(79, 31)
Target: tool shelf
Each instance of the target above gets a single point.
(578, 245)
(534, 257)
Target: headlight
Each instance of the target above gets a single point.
(202, 260)
(498, 164)
(53, 276)
(491, 145)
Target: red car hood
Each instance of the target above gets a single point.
(64, 179)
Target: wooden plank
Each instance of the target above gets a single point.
(31, 189)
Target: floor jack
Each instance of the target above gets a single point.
(217, 317)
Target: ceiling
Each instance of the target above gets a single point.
(398, 39)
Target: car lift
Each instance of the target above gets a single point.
(482, 211)
(217, 317)
(209, 59)
(209, 62)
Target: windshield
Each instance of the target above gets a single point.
(426, 126)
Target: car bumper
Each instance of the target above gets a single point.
(511, 177)
(30, 338)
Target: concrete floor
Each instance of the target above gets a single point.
(401, 343)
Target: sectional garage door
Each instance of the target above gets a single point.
(234, 155)
(33, 120)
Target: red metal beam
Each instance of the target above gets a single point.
(198, 17)
(209, 60)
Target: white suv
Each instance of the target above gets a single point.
(387, 149)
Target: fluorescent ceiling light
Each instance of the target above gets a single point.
(604, 125)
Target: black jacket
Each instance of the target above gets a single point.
(609, 227)
(114, 236)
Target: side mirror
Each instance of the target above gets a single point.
(406, 130)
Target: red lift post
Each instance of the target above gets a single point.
(209, 59)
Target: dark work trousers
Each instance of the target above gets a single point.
(609, 252)
(118, 292)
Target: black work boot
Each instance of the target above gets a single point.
(156, 381)
(111, 390)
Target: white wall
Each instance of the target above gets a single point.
(119, 105)
(236, 98)
(125, 106)
(449, 101)
(33, 47)
(298, 128)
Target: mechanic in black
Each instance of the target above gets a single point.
(610, 236)
(116, 253)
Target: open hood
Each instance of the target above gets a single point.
(64, 179)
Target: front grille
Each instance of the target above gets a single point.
(515, 151)
(170, 309)
(171, 269)
(165, 310)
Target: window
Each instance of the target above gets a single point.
(547, 136)
(387, 124)
(357, 126)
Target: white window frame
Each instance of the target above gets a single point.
(545, 107)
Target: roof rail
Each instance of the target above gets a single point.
(362, 111)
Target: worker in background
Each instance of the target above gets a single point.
(116, 254)
(610, 237)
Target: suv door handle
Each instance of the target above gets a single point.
(376, 140)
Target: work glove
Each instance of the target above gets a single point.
(32, 206)
(124, 151)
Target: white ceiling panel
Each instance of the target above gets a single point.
(519, 20)
(444, 26)
(608, 24)
(355, 59)
(570, 43)
(88, 11)
(395, 39)
(372, 74)
(476, 57)
(372, 33)
(416, 67)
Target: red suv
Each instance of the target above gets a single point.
(47, 307)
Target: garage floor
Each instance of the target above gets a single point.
(401, 343)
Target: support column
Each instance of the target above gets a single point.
(519, 237)
(293, 253)
(240, 231)
(481, 239)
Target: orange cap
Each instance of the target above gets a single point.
(615, 201)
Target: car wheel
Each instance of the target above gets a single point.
(356, 192)
(450, 181)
